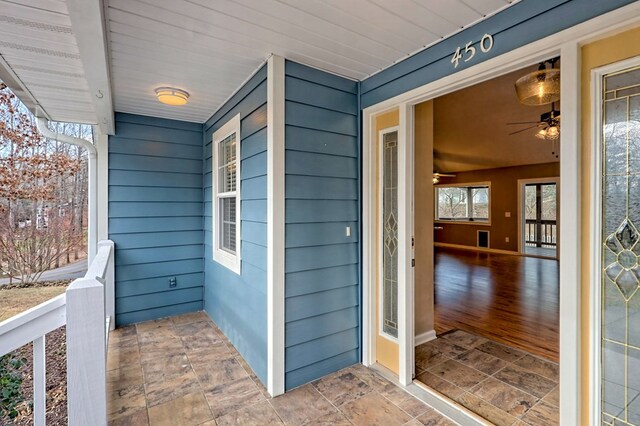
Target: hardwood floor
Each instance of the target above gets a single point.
(511, 299)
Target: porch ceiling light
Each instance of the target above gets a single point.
(172, 96)
(539, 87)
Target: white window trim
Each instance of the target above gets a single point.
(223, 257)
(462, 221)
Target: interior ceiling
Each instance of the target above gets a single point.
(209, 48)
(40, 61)
(471, 130)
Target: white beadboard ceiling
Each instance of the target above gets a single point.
(40, 59)
(210, 47)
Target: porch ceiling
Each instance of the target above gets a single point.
(208, 48)
(40, 60)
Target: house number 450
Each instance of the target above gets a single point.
(486, 44)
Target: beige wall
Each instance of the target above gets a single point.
(423, 211)
(504, 198)
(602, 52)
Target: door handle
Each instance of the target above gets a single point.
(438, 228)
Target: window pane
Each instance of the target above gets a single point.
(548, 197)
(452, 203)
(480, 203)
(227, 164)
(228, 224)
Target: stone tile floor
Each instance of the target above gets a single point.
(183, 371)
(504, 385)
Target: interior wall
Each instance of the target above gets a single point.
(423, 218)
(503, 199)
(617, 48)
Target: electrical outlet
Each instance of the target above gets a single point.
(506, 239)
(507, 214)
(173, 282)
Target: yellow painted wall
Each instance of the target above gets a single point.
(613, 49)
(387, 352)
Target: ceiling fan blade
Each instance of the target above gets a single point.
(524, 122)
(445, 175)
(523, 130)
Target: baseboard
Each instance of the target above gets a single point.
(425, 337)
(482, 249)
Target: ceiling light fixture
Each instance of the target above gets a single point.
(540, 87)
(172, 96)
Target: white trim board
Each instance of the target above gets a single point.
(566, 44)
(425, 337)
(275, 225)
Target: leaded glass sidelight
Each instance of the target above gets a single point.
(390, 233)
(620, 280)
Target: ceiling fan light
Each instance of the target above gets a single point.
(553, 132)
(539, 87)
(541, 134)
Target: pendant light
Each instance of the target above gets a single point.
(540, 87)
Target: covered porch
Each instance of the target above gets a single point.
(183, 370)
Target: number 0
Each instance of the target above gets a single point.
(483, 43)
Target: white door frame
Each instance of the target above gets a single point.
(595, 227)
(521, 223)
(566, 44)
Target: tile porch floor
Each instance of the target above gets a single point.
(504, 385)
(183, 371)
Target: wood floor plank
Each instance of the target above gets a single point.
(511, 299)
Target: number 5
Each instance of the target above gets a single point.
(470, 48)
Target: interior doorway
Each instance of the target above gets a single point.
(538, 215)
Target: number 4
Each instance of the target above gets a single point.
(470, 48)
(456, 58)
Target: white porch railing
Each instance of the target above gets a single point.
(84, 307)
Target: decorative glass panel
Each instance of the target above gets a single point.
(390, 234)
(620, 279)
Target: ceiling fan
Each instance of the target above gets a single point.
(549, 125)
(437, 176)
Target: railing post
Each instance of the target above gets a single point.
(86, 353)
(109, 283)
(39, 382)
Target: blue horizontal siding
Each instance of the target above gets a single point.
(238, 303)
(155, 216)
(514, 27)
(157, 284)
(322, 290)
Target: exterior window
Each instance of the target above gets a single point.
(463, 203)
(226, 194)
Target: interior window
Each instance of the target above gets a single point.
(463, 203)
